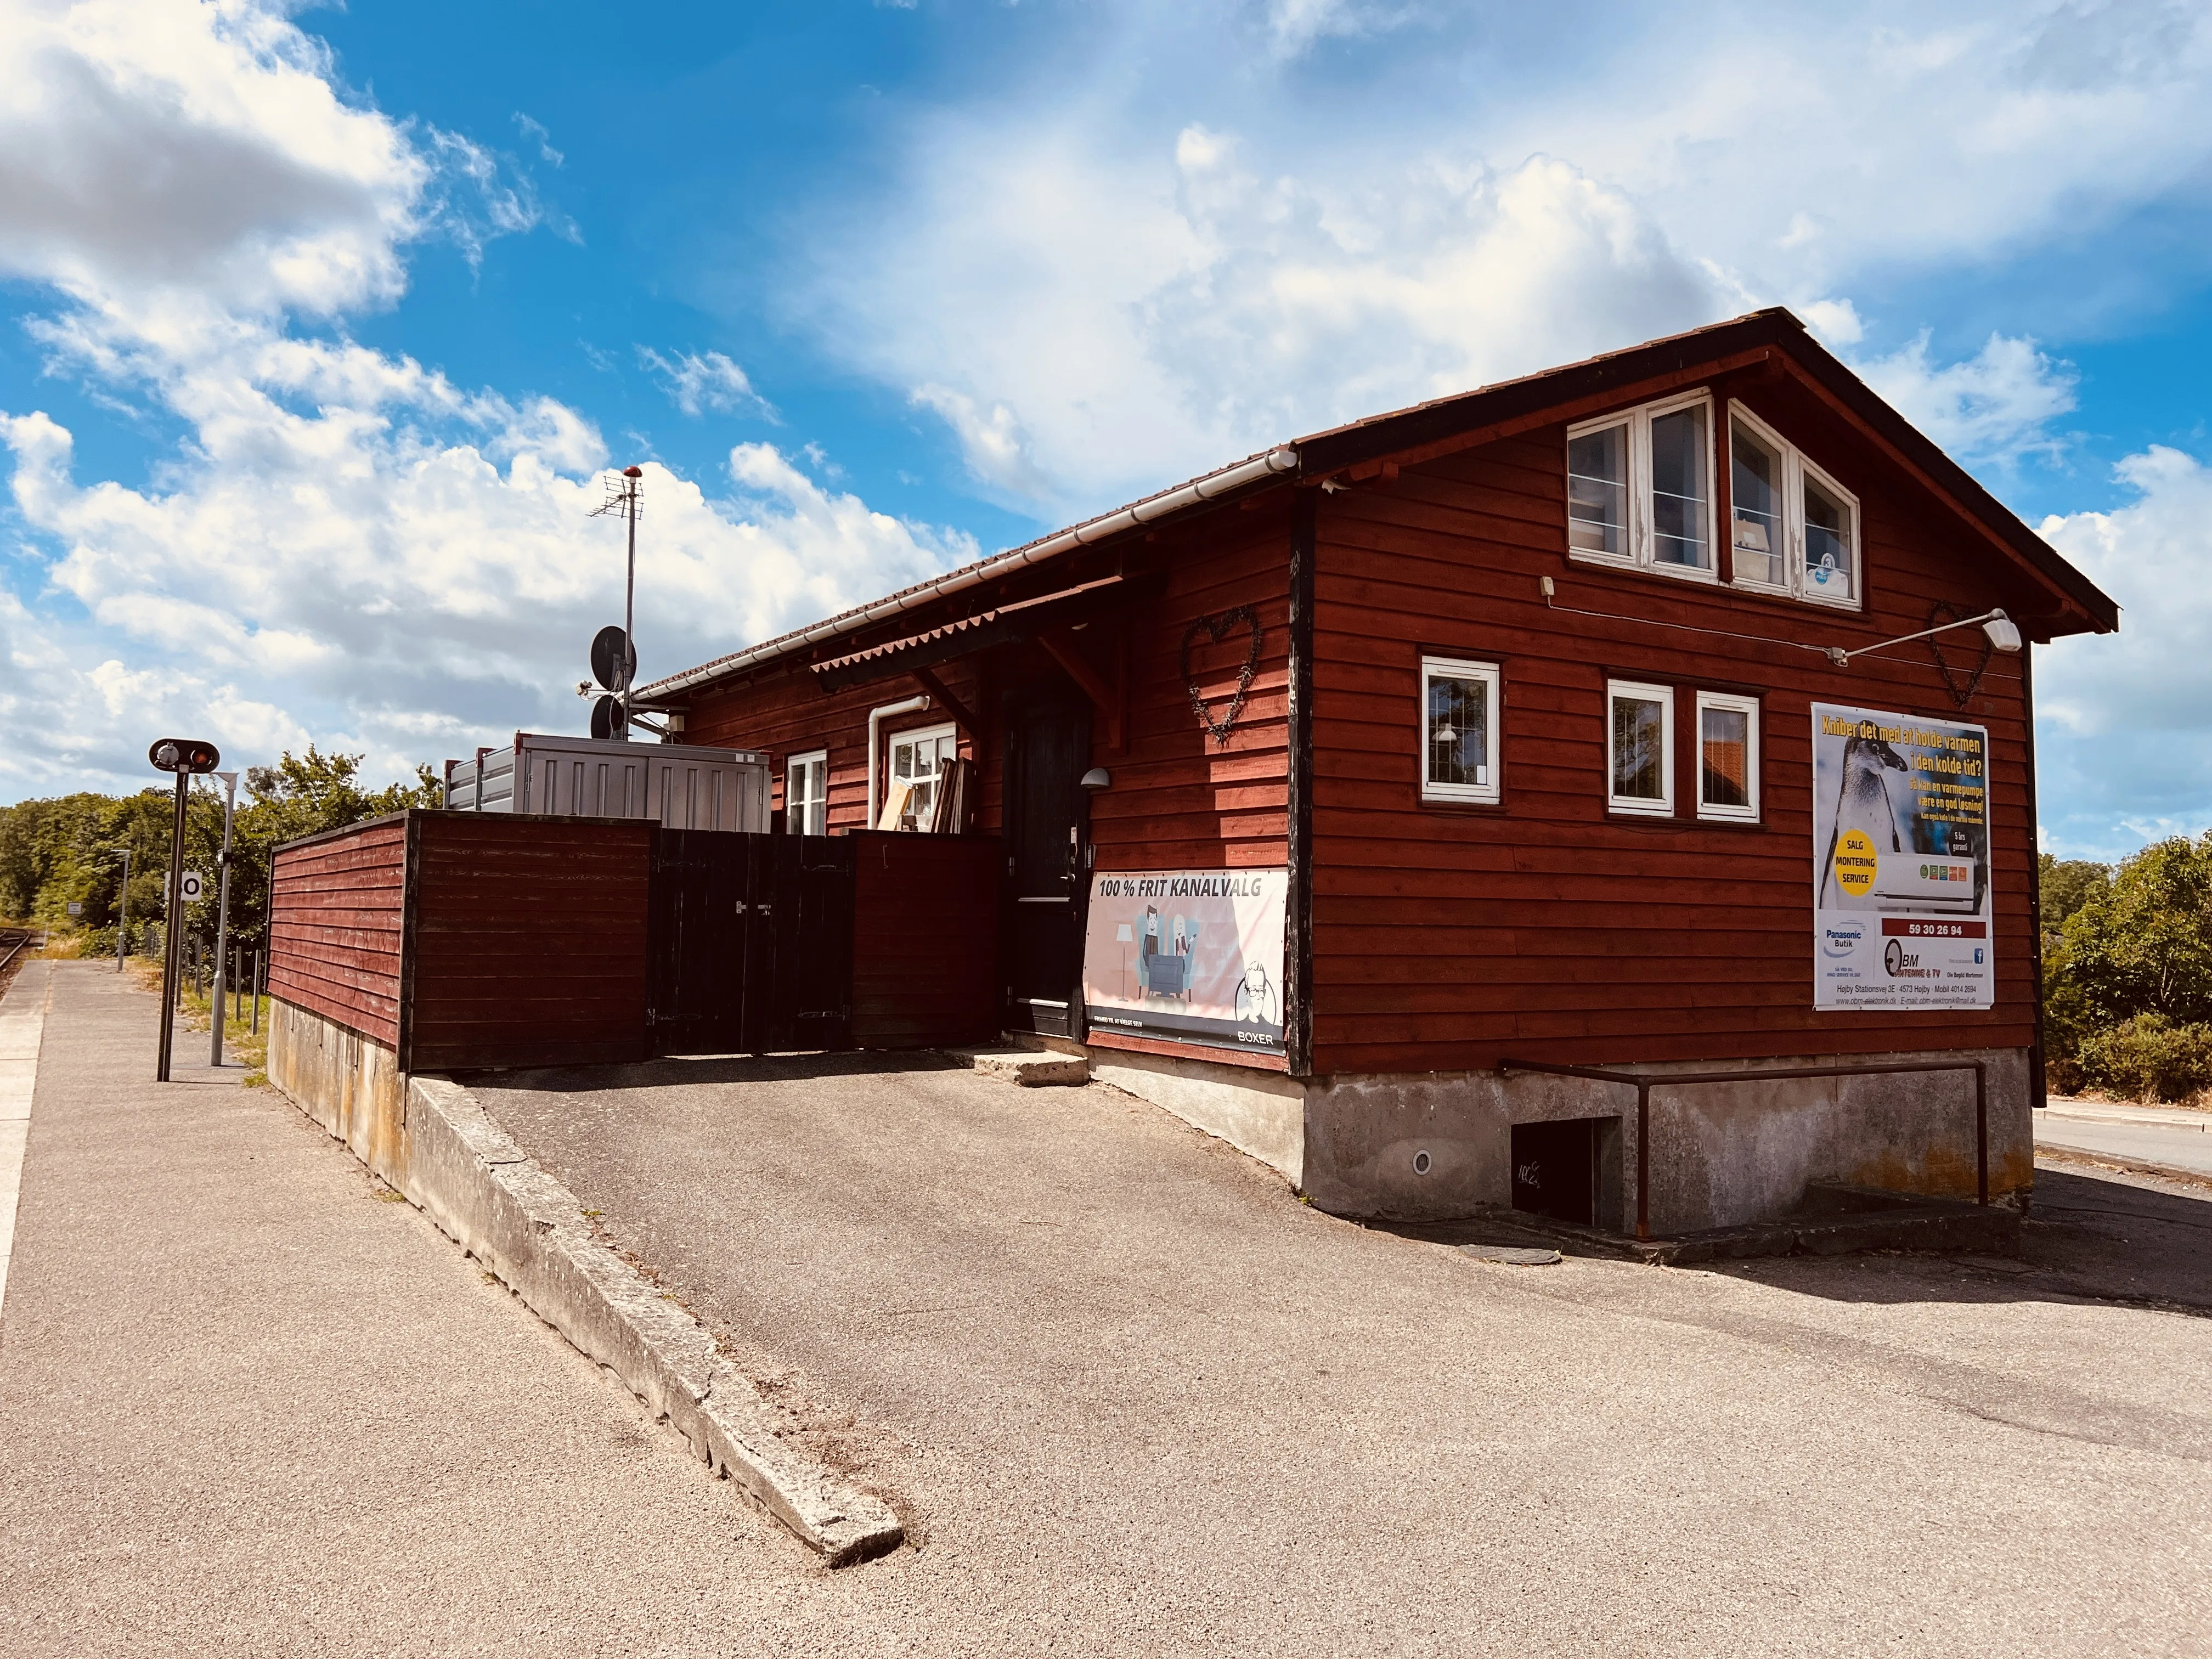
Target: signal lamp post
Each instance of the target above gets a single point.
(186, 760)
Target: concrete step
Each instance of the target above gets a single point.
(1030, 1068)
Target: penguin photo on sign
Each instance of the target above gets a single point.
(1863, 803)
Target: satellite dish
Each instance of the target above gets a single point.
(614, 658)
(607, 717)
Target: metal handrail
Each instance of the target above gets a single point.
(1645, 1082)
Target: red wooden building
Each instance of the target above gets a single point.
(1509, 727)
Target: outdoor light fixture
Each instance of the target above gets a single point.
(2004, 635)
(1097, 778)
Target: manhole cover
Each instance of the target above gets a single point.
(1511, 1255)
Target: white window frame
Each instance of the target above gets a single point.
(792, 763)
(1795, 469)
(892, 741)
(1454, 668)
(1748, 708)
(1642, 539)
(1639, 805)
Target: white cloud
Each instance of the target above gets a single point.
(1173, 314)
(1121, 278)
(1996, 406)
(1293, 25)
(697, 383)
(346, 547)
(992, 442)
(2123, 755)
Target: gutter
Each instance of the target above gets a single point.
(1152, 508)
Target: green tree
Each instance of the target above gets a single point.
(58, 851)
(2128, 975)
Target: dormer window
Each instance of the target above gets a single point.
(1639, 488)
(1792, 529)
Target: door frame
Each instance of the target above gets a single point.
(1018, 707)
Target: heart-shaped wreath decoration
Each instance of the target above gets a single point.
(1215, 627)
(1939, 614)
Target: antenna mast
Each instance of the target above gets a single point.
(626, 499)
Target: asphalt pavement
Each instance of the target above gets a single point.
(248, 1404)
(1132, 1396)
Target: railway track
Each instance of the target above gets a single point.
(14, 941)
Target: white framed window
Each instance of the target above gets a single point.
(1727, 757)
(912, 778)
(1639, 748)
(1640, 489)
(806, 793)
(1792, 529)
(1459, 730)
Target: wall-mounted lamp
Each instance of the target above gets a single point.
(2003, 635)
(1096, 778)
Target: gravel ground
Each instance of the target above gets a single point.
(1132, 1396)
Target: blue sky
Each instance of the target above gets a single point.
(321, 322)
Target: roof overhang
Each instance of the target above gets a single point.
(1006, 624)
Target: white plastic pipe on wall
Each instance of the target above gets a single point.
(911, 705)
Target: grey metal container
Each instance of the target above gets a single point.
(672, 784)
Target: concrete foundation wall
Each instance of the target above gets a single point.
(350, 1085)
(1722, 1154)
(1261, 1114)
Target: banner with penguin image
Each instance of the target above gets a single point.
(1901, 908)
(1188, 955)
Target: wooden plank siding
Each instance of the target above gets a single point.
(789, 714)
(1179, 799)
(526, 941)
(1451, 937)
(336, 909)
(925, 941)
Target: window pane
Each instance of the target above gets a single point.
(1597, 491)
(1755, 506)
(1638, 749)
(1459, 732)
(1724, 753)
(1827, 542)
(1678, 489)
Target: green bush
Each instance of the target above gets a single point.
(2149, 1057)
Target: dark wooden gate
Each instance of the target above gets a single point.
(750, 942)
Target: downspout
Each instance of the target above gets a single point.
(2038, 1094)
(1297, 919)
(910, 706)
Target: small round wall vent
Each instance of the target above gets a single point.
(1420, 1164)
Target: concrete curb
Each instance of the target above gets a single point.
(467, 1175)
(2058, 1152)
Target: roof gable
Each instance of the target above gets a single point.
(1445, 425)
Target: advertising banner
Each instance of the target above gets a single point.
(1188, 956)
(1901, 905)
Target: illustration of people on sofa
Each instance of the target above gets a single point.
(1166, 972)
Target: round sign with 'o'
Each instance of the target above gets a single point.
(190, 887)
(1854, 862)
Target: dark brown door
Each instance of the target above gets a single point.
(1048, 748)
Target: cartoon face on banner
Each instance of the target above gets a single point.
(1901, 902)
(1188, 956)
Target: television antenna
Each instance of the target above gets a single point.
(625, 499)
